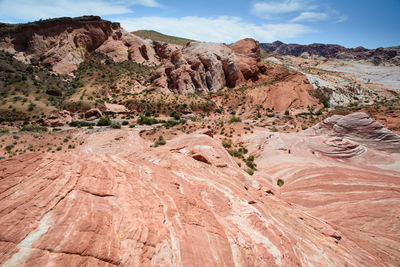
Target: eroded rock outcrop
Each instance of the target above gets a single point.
(62, 44)
(360, 128)
(208, 67)
(59, 118)
(199, 67)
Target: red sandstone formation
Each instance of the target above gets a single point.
(118, 202)
(62, 44)
(59, 118)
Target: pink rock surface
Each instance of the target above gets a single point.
(115, 109)
(62, 44)
(118, 201)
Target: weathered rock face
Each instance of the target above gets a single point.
(61, 44)
(208, 67)
(248, 58)
(93, 113)
(377, 56)
(351, 185)
(59, 118)
(199, 67)
(187, 202)
(115, 109)
(360, 128)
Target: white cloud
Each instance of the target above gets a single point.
(296, 11)
(311, 16)
(270, 9)
(220, 29)
(29, 10)
(342, 18)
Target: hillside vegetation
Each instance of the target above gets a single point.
(156, 36)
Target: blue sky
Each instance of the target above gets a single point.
(351, 23)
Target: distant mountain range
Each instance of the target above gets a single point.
(377, 56)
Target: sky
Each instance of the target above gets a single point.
(351, 23)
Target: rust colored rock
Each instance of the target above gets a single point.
(62, 44)
(201, 158)
(248, 58)
(208, 132)
(93, 113)
(59, 118)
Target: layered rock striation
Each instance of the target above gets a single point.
(116, 201)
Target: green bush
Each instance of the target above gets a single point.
(173, 122)
(81, 124)
(226, 143)
(33, 128)
(104, 121)
(250, 164)
(147, 120)
(132, 125)
(125, 122)
(234, 119)
(115, 125)
(250, 171)
(235, 153)
(280, 182)
(160, 142)
(353, 104)
(175, 115)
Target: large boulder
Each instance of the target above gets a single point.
(56, 119)
(93, 114)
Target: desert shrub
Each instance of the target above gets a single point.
(115, 125)
(31, 106)
(147, 120)
(175, 115)
(250, 164)
(236, 153)
(125, 122)
(33, 128)
(104, 121)
(250, 158)
(160, 141)
(9, 147)
(132, 125)
(250, 171)
(227, 143)
(287, 112)
(173, 122)
(280, 182)
(319, 112)
(353, 104)
(274, 129)
(234, 119)
(81, 123)
(4, 130)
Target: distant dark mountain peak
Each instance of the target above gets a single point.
(388, 55)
